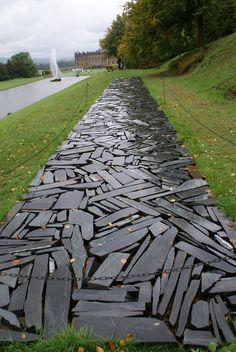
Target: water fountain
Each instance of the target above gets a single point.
(54, 67)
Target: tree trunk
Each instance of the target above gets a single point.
(200, 30)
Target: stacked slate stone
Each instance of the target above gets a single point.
(117, 235)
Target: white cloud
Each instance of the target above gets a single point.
(68, 25)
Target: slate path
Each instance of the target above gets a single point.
(117, 205)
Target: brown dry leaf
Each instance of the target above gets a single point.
(72, 260)
(165, 275)
(130, 229)
(99, 349)
(16, 262)
(233, 241)
(123, 261)
(129, 337)
(81, 349)
(121, 350)
(122, 343)
(42, 178)
(110, 224)
(111, 346)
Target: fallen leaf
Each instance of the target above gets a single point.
(99, 349)
(81, 349)
(72, 260)
(110, 224)
(123, 261)
(129, 337)
(130, 229)
(16, 262)
(23, 336)
(122, 342)
(111, 346)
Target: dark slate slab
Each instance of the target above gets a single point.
(200, 315)
(140, 206)
(69, 200)
(188, 215)
(156, 295)
(120, 214)
(47, 177)
(111, 266)
(60, 175)
(14, 224)
(232, 300)
(57, 300)
(18, 298)
(119, 312)
(10, 277)
(198, 338)
(138, 254)
(143, 329)
(145, 292)
(186, 305)
(158, 227)
(113, 295)
(88, 306)
(61, 257)
(41, 219)
(4, 295)
(33, 304)
(109, 246)
(10, 318)
(209, 279)
(226, 285)
(85, 220)
(181, 289)
(172, 282)
(79, 254)
(110, 179)
(222, 322)
(40, 204)
(118, 192)
(205, 257)
(149, 263)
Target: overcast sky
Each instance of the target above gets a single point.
(38, 26)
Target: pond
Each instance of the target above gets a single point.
(14, 99)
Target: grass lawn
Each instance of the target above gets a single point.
(18, 82)
(72, 341)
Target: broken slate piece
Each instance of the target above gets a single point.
(4, 295)
(143, 329)
(200, 315)
(85, 220)
(9, 317)
(69, 200)
(111, 266)
(198, 338)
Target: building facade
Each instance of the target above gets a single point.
(94, 59)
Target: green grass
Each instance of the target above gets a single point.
(17, 82)
(199, 94)
(71, 341)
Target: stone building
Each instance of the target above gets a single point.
(94, 59)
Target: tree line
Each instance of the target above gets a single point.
(150, 32)
(19, 65)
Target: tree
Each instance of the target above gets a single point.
(21, 65)
(113, 37)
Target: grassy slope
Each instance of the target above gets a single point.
(196, 91)
(18, 82)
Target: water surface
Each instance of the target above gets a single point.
(14, 99)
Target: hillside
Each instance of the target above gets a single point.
(206, 91)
